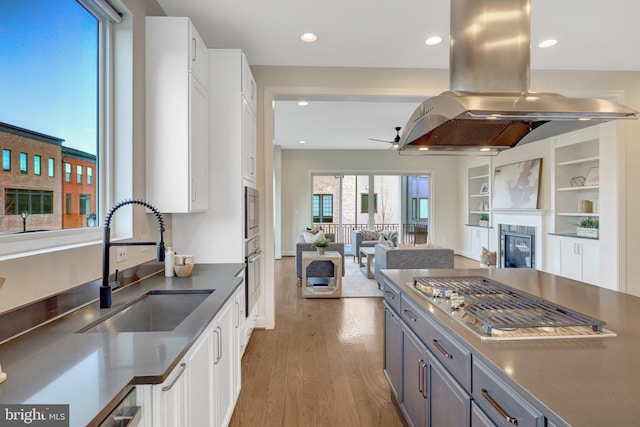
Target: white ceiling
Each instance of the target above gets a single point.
(592, 34)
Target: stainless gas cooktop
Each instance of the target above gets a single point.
(495, 311)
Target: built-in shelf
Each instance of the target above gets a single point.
(578, 214)
(479, 176)
(579, 161)
(479, 195)
(582, 188)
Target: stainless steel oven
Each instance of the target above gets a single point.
(251, 217)
(252, 272)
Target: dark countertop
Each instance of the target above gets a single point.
(584, 381)
(92, 371)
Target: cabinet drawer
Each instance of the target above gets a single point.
(500, 401)
(391, 295)
(447, 350)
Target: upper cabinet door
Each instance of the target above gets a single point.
(248, 85)
(198, 62)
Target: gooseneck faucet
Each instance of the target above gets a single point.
(105, 288)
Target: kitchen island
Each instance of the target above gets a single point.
(92, 372)
(568, 381)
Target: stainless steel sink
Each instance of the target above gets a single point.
(155, 311)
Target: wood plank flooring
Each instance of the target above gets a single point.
(321, 365)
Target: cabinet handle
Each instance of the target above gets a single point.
(390, 293)
(499, 408)
(183, 366)
(442, 350)
(410, 315)
(237, 315)
(220, 346)
(193, 190)
(217, 359)
(194, 50)
(422, 379)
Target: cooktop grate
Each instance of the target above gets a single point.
(498, 306)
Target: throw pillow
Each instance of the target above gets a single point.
(487, 257)
(386, 241)
(370, 235)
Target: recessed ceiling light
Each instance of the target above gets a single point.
(423, 149)
(302, 142)
(485, 149)
(303, 103)
(308, 37)
(547, 43)
(434, 40)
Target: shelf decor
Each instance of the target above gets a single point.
(516, 186)
(593, 177)
(588, 227)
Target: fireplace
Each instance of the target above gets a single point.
(517, 246)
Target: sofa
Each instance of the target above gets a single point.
(415, 257)
(367, 238)
(317, 268)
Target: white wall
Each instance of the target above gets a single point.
(297, 166)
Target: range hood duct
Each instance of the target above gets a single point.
(489, 106)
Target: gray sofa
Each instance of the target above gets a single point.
(317, 268)
(365, 238)
(395, 258)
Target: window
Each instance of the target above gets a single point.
(6, 160)
(322, 208)
(67, 172)
(30, 201)
(36, 164)
(424, 208)
(364, 198)
(23, 163)
(52, 167)
(67, 204)
(89, 175)
(85, 204)
(60, 90)
(79, 174)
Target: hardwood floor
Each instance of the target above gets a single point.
(321, 365)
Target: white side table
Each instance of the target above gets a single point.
(333, 287)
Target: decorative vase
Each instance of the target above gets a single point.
(587, 232)
(320, 250)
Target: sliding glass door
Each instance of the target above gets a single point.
(341, 203)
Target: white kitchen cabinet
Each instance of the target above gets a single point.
(200, 381)
(579, 259)
(224, 220)
(224, 354)
(239, 338)
(248, 143)
(177, 119)
(201, 390)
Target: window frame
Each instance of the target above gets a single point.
(115, 106)
(51, 167)
(321, 218)
(37, 164)
(23, 163)
(4, 152)
(79, 172)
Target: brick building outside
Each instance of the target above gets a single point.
(34, 183)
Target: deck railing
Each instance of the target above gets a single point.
(411, 233)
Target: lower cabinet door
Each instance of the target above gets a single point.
(393, 351)
(479, 418)
(415, 384)
(450, 404)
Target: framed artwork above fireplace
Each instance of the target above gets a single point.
(517, 185)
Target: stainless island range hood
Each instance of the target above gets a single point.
(489, 107)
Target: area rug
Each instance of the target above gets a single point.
(355, 284)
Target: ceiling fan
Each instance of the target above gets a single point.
(395, 141)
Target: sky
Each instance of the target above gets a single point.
(48, 69)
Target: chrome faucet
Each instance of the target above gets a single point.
(105, 288)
